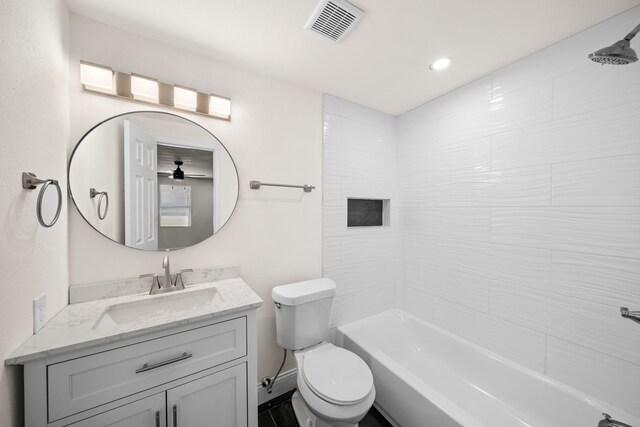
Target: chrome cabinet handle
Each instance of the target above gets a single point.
(146, 367)
(157, 418)
(175, 415)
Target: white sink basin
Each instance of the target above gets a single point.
(152, 309)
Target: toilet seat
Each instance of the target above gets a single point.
(337, 376)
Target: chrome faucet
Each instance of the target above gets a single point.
(167, 273)
(157, 286)
(610, 422)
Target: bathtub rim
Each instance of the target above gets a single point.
(348, 329)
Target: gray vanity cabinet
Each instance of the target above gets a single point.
(147, 412)
(218, 399)
(193, 375)
(215, 400)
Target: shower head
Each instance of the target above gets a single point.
(619, 53)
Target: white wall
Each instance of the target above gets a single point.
(521, 214)
(34, 124)
(275, 135)
(359, 162)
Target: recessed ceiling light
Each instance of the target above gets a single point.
(440, 64)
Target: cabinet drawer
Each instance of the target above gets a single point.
(83, 383)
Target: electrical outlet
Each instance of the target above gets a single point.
(39, 312)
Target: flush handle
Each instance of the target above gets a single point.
(277, 304)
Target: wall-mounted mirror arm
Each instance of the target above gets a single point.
(47, 209)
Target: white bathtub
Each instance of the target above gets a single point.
(427, 377)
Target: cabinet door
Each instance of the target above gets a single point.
(148, 412)
(217, 400)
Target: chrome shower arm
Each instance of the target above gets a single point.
(633, 315)
(633, 33)
(610, 422)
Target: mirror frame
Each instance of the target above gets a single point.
(154, 112)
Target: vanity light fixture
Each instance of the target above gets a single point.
(185, 98)
(135, 87)
(97, 78)
(440, 64)
(144, 88)
(219, 106)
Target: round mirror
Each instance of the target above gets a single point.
(153, 181)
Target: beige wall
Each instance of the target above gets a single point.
(34, 124)
(275, 136)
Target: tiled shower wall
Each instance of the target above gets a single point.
(359, 162)
(517, 209)
(521, 214)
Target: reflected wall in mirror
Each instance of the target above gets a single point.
(170, 182)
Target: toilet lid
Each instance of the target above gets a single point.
(337, 375)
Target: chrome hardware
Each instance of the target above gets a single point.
(167, 272)
(155, 283)
(175, 415)
(179, 281)
(255, 185)
(103, 196)
(633, 315)
(157, 418)
(609, 422)
(30, 182)
(146, 367)
(169, 285)
(277, 304)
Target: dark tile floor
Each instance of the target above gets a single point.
(279, 413)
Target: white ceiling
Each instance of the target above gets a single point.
(384, 62)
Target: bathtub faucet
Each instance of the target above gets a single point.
(609, 422)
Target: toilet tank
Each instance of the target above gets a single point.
(302, 312)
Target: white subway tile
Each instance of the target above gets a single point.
(331, 254)
(466, 289)
(529, 186)
(419, 303)
(606, 280)
(471, 122)
(455, 223)
(591, 325)
(603, 231)
(522, 108)
(613, 181)
(528, 267)
(594, 88)
(512, 341)
(469, 155)
(332, 190)
(590, 135)
(604, 377)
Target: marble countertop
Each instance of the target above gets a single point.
(81, 325)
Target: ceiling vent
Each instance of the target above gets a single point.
(334, 19)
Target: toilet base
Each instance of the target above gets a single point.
(307, 419)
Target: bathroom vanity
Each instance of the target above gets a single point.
(183, 359)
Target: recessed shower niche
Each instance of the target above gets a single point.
(367, 212)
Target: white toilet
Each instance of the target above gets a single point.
(335, 387)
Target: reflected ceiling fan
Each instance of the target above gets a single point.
(178, 174)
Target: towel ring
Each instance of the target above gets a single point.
(103, 196)
(30, 182)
